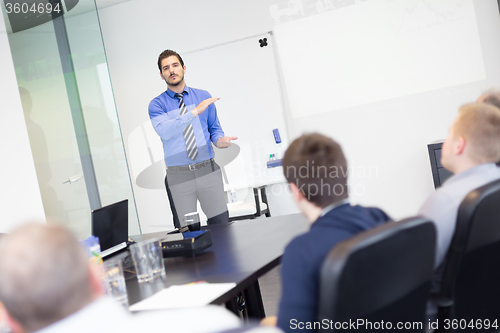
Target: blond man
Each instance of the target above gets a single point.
(470, 152)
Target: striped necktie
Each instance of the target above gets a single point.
(191, 146)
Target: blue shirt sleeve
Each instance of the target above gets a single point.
(298, 301)
(163, 125)
(214, 126)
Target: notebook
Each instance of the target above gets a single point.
(110, 224)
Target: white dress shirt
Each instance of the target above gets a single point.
(442, 205)
(442, 208)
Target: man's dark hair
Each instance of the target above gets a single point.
(168, 53)
(317, 166)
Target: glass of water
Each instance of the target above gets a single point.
(156, 255)
(115, 281)
(142, 261)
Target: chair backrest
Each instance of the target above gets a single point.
(381, 274)
(471, 276)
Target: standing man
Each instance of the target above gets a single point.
(186, 121)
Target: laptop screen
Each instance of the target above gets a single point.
(110, 224)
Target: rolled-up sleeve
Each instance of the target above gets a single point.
(213, 123)
(163, 124)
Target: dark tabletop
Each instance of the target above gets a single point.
(242, 251)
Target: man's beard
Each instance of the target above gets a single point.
(175, 84)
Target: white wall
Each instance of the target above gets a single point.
(20, 198)
(383, 136)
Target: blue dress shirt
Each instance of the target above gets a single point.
(168, 123)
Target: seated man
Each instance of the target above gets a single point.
(469, 152)
(316, 170)
(47, 284)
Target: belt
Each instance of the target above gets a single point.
(191, 167)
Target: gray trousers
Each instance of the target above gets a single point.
(185, 188)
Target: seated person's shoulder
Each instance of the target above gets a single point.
(369, 214)
(379, 215)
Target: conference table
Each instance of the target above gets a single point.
(242, 251)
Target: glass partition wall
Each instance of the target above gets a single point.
(69, 109)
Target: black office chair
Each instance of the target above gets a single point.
(381, 274)
(470, 288)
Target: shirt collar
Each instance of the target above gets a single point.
(475, 170)
(171, 94)
(333, 206)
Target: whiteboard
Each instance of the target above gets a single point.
(379, 50)
(243, 74)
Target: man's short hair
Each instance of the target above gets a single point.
(44, 275)
(479, 125)
(317, 166)
(168, 53)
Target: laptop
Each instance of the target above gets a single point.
(110, 224)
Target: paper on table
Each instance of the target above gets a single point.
(184, 296)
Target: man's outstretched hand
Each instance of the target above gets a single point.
(203, 106)
(225, 141)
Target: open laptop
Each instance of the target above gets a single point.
(110, 224)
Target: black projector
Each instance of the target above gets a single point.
(187, 244)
